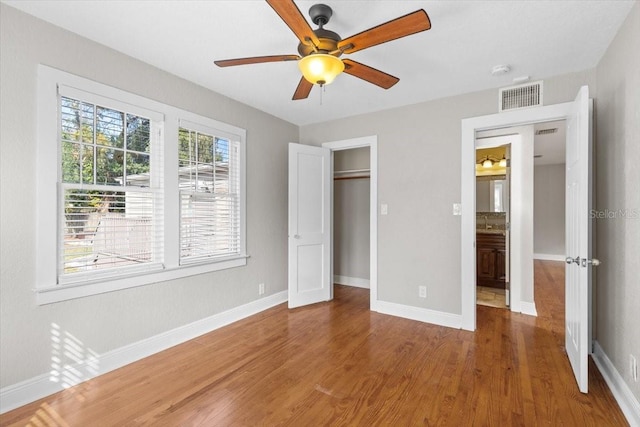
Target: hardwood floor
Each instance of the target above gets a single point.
(337, 363)
(491, 297)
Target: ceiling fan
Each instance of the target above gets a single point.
(320, 49)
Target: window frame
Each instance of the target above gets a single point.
(47, 285)
(155, 188)
(209, 129)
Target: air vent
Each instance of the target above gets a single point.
(546, 131)
(520, 96)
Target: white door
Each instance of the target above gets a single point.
(578, 238)
(309, 225)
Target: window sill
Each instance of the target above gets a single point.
(58, 293)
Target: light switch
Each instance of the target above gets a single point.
(457, 209)
(384, 209)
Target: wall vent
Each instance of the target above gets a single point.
(546, 131)
(521, 96)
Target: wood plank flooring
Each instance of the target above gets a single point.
(491, 297)
(339, 364)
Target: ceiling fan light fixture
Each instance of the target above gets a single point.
(320, 68)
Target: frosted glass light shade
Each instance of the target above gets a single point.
(320, 68)
(487, 164)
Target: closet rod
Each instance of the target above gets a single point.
(352, 171)
(340, 178)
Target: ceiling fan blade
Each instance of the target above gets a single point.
(255, 60)
(291, 15)
(303, 89)
(369, 74)
(406, 25)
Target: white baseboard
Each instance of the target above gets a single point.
(629, 405)
(421, 314)
(528, 308)
(28, 391)
(351, 281)
(549, 257)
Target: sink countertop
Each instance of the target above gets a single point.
(490, 231)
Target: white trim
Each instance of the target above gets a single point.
(468, 199)
(59, 293)
(628, 403)
(420, 314)
(528, 308)
(356, 282)
(549, 257)
(372, 143)
(28, 391)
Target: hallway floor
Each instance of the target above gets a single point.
(490, 297)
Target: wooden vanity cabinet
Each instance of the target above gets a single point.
(491, 260)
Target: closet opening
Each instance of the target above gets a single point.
(351, 217)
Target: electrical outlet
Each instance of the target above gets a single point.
(633, 365)
(422, 291)
(261, 289)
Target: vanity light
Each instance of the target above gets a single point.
(503, 162)
(487, 163)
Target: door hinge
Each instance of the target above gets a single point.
(595, 262)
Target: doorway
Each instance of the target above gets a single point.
(519, 228)
(493, 198)
(369, 143)
(470, 129)
(351, 217)
(539, 199)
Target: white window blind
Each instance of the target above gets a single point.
(109, 206)
(209, 184)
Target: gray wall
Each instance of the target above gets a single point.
(351, 216)
(548, 209)
(419, 240)
(109, 321)
(617, 188)
(355, 158)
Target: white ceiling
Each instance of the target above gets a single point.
(467, 38)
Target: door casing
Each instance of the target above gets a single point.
(372, 143)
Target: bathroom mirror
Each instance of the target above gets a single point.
(492, 195)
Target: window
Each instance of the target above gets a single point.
(209, 182)
(131, 191)
(110, 221)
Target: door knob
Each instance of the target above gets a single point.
(570, 260)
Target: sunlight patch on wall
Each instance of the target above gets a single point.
(71, 362)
